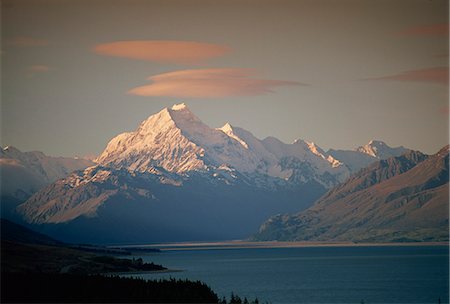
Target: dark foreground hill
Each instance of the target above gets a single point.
(13, 232)
(401, 199)
(38, 269)
(26, 251)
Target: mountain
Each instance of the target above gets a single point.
(178, 142)
(175, 178)
(365, 155)
(24, 173)
(399, 199)
(380, 150)
(13, 232)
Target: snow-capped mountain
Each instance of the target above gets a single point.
(23, 173)
(177, 141)
(365, 155)
(381, 150)
(175, 178)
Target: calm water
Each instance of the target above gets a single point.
(399, 274)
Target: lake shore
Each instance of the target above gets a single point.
(272, 244)
(139, 272)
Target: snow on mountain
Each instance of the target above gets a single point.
(403, 198)
(23, 173)
(353, 160)
(319, 152)
(380, 150)
(305, 162)
(365, 155)
(228, 130)
(81, 193)
(176, 140)
(50, 168)
(157, 142)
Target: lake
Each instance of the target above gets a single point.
(348, 274)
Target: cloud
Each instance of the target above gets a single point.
(39, 68)
(163, 51)
(27, 42)
(208, 83)
(437, 75)
(439, 29)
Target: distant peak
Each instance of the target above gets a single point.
(375, 142)
(228, 130)
(444, 151)
(10, 148)
(178, 107)
(298, 141)
(226, 127)
(379, 149)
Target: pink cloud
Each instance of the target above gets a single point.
(164, 51)
(27, 42)
(208, 83)
(437, 75)
(439, 29)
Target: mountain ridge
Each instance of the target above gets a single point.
(179, 142)
(403, 198)
(24, 173)
(175, 178)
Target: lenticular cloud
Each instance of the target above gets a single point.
(208, 83)
(163, 51)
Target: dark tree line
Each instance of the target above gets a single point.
(235, 299)
(60, 288)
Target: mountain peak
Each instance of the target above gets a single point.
(229, 130)
(298, 141)
(226, 128)
(379, 149)
(376, 142)
(159, 141)
(316, 150)
(444, 151)
(178, 116)
(10, 148)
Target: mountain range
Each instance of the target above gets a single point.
(23, 173)
(174, 178)
(402, 198)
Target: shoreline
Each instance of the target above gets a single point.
(272, 244)
(142, 272)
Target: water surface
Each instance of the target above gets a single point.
(391, 274)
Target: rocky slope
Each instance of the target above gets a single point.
(400, 199)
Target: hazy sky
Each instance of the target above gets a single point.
(339, 73)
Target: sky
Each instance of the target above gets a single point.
(75, 73)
